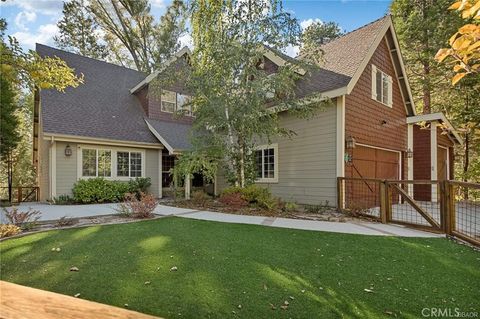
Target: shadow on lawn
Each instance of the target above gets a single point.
(221, 266)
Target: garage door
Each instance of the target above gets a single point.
(374, 163)
(370, 162)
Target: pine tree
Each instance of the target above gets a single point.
(79, 31)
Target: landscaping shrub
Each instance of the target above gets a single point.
(290, 207)
(99, 190)
(24, 220)
(139, 185)
(231, 190)
(234, 200)
(200, 198)
(7, 230)
(142, 207)
(63, 200)
(261, 196)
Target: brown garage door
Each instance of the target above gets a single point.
(375, 163)
(370, 162)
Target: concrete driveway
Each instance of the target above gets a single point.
(54, 212)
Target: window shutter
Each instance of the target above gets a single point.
(390, 85)
(374, 82)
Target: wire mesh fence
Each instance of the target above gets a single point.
(360, 196)
(416, 203)
(451, 207)
(465, 222)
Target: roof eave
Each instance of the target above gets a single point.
(153, 75)
(436, 117)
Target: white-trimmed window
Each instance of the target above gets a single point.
(169, 101)
(172, 102)
(183, 104)
(129, 164)
(266, 163)
(96, 162)
(381, 86)
(114, 163)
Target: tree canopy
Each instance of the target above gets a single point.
(231, 87)
(79, 32)
(129, 26)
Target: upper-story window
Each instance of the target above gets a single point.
(381, 86)
(169, 101)
(172, 102)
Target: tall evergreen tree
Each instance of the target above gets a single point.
(315, 35)
(79, 31)
(423, 27)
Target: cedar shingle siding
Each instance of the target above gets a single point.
(364, 116)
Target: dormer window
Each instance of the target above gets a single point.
(168, 101)
(381, 87)
(183, 104)
(172, 102)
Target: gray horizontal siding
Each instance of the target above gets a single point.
(66, 167)
(306, 161)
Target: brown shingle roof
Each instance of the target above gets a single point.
(345, 54)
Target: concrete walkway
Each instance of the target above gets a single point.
(54, 212)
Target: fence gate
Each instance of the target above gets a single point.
(449, 207)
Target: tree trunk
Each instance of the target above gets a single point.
(233, 164)
(241, 163)
(10, 176)
(426, 88)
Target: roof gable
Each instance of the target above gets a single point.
(102, 107)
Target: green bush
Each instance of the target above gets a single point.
(139, 185)
(99, 190)
(290, 207)
(254, 194)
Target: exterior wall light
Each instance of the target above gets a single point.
(68, 151)
(409, 153)
(350, 143)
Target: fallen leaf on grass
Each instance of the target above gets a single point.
(284, 307)
(76, 295)
(174, 268)
(265, 287)
(292, 297)
(239, 306)
(273, 306)
(367, 290)
(286, 303)
(147, 282)
(74, 269)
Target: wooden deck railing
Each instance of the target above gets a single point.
(23, 302)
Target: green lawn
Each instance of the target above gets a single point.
(222, 266)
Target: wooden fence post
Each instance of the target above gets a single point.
(19, 194)
(388, 202)
(450, 208)
(383, 202)
(442, 191)
(340, 194)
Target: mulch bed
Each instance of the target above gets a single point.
(325, 214)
